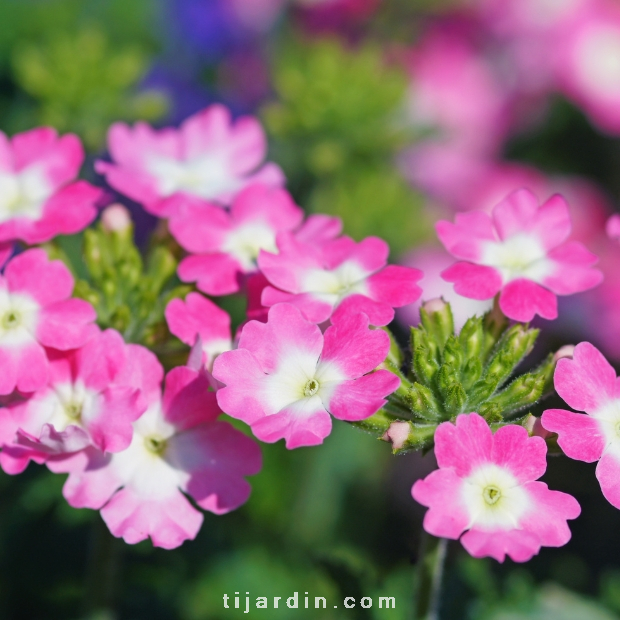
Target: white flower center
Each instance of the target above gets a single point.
(336, 284)
(598, 60)
(245, 243)
(23, 194)
(608, 417)
(311, 388)
(494, 498)
(519, 256)
(155, 444)
(207, 176)
(18, 318)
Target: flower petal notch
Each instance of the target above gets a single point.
(520, 252)
(588, 383)
(487, 487)
(286, 377)
(209, 158)
(39, 196)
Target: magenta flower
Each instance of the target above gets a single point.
(487, 484)
(339, 274)
(90, 399)
(38, 199)
(209, 157)
(178, 447)
(286, 377)
(519, 252)
(36, 312)
(199, 318)
(587, 382)
(225, 244)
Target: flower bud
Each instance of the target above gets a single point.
(115, 218)
(534, 427)
(436, 317)
(566, 351)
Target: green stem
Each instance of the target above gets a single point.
(429, 575)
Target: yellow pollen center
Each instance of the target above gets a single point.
(73, 411)
(311, 388)
(491, 495)
(156, 445)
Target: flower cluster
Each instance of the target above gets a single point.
(83, 384)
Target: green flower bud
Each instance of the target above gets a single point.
(436, 317)
(423, 403)
(424, 365)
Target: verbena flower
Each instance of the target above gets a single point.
(91, 398)
(337, 275)
(210, 157)
(225, 244)
(519, 252)
(486, 486)
(286, 377)
(178, 447)
(39, 196)
(588, 383)
(36, 312)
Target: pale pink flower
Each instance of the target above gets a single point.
(486, 486)
(337, 276)
(198, 318)
(587, 67)
(587, 382)
(225, 244)
(519, 252)
(36, 312)
(612, 228)
(178, 447)
(286, 377)
(39, 197)
(209, 158)
(91, 399)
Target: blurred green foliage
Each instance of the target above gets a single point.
(336, 129)
(82, 83)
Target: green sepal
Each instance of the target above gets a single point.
(439, 324)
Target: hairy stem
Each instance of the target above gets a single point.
(429, 576)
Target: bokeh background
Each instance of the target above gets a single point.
(391, 114)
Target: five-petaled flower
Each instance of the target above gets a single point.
(486, 486)
(39, 197)
(178, 447)
(286, 377)
(520, 253)
(337, 276)
(587, 382)
(209, 157)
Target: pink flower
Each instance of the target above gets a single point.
(178, 447)
(518, 252)
(90, 400)
(587, 382)
(612, 228)
(198, 317)
(209, 157)
(487, 484)
(337, 275)
(225, 244)
(286, 377)
(36, 312)
(38, 199)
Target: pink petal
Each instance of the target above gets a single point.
(395, 285)
(352, 347)
(519, 545)
(516, 213)
(587, 381)
(573, 272)
(217, 457)
(465, 445)
(135, 184)
(31, 365)
(317, 311)
(274, 206)
(523, 456)
(552, 222)
(66, 324)
(608, 475)
(142, 371)
(169, 522)
(612, 228)
(201, 227)
(473, 281)
(360, 398)
(521, 300)
(579, 435)
(286, 333)
(50, 441)
(187, 400)
(464, 238)
(441, 491)
(33, 274)
(379, 313)
(214, 274)
(319, 228)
